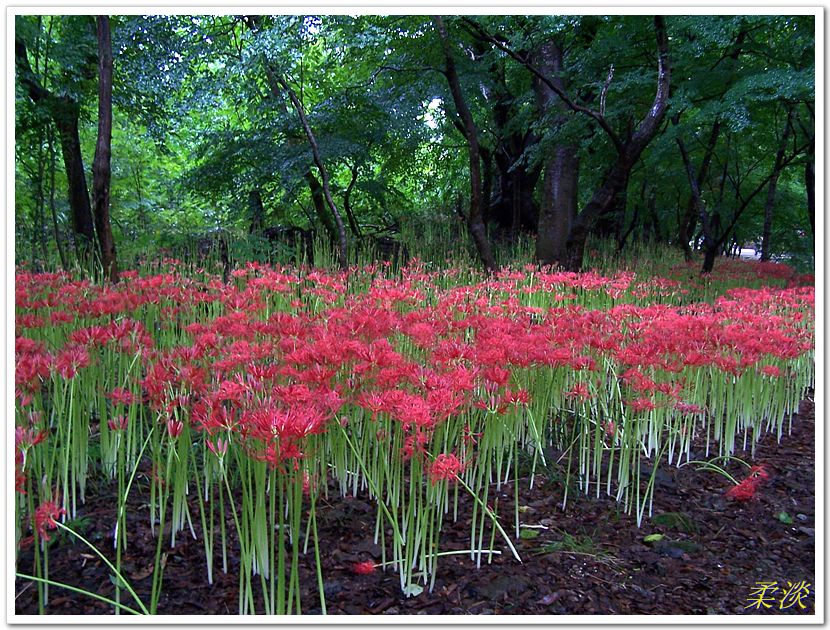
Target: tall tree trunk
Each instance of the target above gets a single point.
(710, 243)
(629, 152)
(256, 211)
(347, 206)
(475, 221)
(65, 113)
(319, 202)
(52, 205)
(810, 185)
(41, 228)
(101, 169)
(689, 222)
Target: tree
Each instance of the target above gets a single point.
(101, 170)
(560, 181)
(475, 221)
(65, 111)
(628, 148)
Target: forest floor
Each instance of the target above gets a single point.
(591, 559)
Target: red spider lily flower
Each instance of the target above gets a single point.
(70, 360)
(414, 444)
(640, 404)
(745, 490)
(32, 369)
(230, 390)
(122, 396)
(363, 568)
(29, 320)
(497, 375)
(19, 476)
(770, 370)
(469, 437)
(220, 449)
(61, 317)
(446, 466)
(688, 408)
(495, 404)
(519, 397)
(24, 439)
(174, 428)
(119, 423)
(579, 390)
(45, 516)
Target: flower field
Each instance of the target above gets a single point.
(241, 406)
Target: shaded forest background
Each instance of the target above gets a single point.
(273, 137)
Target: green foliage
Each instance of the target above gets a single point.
(199, 124)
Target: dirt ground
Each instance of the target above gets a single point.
(588, 559)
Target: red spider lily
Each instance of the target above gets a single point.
(363, 568)
(220, 449)
(579, 390)
(24, 439)
(497, 375)
(640, 404)
(118, 423)
(27, 321)
(469, 437)
(32, 369)
(231, 391)
(174, 428)
(122, 396)
(213, 418)
(415, 444)
(745, 490)
(45, 516)
(495, 404)
(71, 358)
(517, 397)
(688, 408)
(770, 370)
(61, 317)
(446, 466)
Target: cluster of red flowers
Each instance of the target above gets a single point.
(271, 358)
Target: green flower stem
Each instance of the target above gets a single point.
(109, 564)
(118, 606)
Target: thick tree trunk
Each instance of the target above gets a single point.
(475, 221)
(628, 151)
(101, 169)
(560, 172)
(599, 203)
(41, 228)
